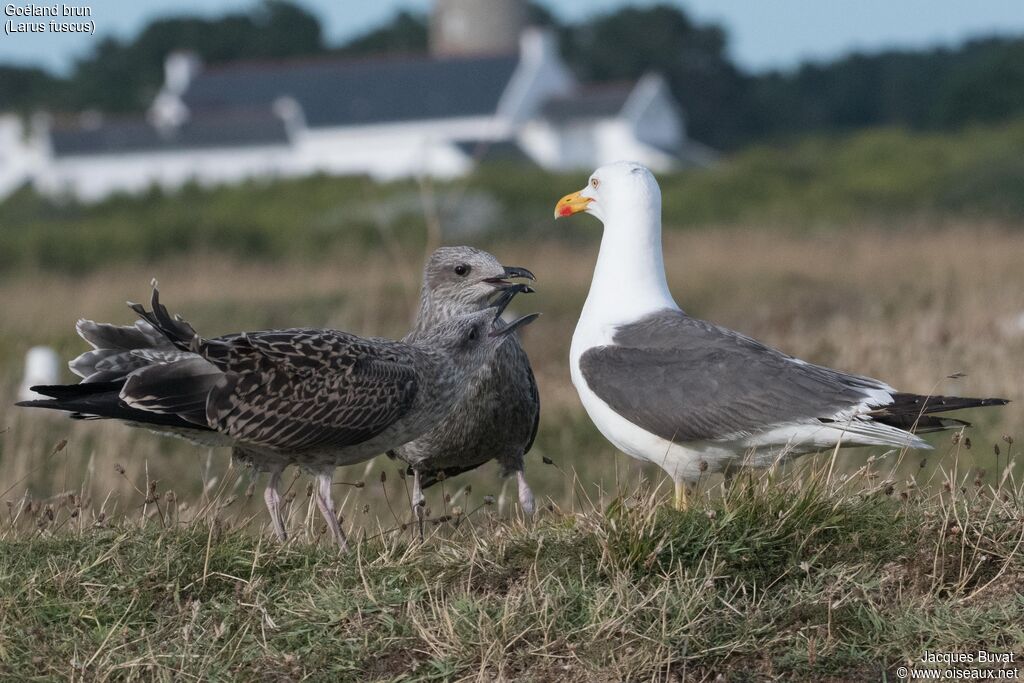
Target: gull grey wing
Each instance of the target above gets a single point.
(119, 350)
(304, 389)
(688, 380)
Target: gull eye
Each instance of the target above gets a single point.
(473, 334)
(594, 183)
(462, 270)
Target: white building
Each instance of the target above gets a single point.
(387, 117)
(21, 155)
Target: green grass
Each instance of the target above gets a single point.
(885, 176)
(786, 577)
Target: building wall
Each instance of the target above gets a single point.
(18, 156)
(583, 145)
(655, 118)
(392, 151)
(94, 177)
(384, 152)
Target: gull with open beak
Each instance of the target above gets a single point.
(498, 415)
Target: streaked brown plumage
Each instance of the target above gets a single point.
(314, 398)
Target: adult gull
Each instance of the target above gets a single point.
(695, 397)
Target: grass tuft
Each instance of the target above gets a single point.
(781, 576)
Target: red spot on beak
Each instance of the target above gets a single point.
(566, 210)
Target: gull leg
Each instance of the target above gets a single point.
(525, 494)
(272, 497)
(325, 502)
(681, 499)
(419, 501)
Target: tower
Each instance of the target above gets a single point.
(466, 27)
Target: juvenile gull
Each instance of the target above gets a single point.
(691, 396)
(310, 397)
(498, 413)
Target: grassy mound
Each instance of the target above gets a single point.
(795, 578)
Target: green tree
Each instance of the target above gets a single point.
(632, 41)
(405, 32)
(125, 76)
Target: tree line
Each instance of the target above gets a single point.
(726, 107)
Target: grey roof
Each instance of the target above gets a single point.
(593, 102)
(336, 92)
(493, 150)
(237, 128)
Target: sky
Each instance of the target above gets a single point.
(763, 34)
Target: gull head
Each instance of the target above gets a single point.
(470, 340)
(468, 279)
(623, 192)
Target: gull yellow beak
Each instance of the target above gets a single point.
(570, 204)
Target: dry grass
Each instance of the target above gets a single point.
(789, 576)
(125, 556)
(910, 306)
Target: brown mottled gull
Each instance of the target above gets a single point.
(310, 397)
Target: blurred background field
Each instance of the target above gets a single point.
(915, 304)
(864, 212)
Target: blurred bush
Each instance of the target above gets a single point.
(881, 175)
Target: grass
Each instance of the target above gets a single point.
(785, 576)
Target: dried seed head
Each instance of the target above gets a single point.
(359, 484)
(61, 445)
(546, 460)
(488, 500)
(49, 513)
(250, 489)
(1008, 439)
(889, 488)
(957, 436)
(456, 511)
(170, 497)
(703, 466)
(119, 468)
(967, 442)
(924, 461)
(366, 508)
(441, 476)
(447, 498)
(383, 476)
(309, 489)
(995, 449)
(468, 489)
